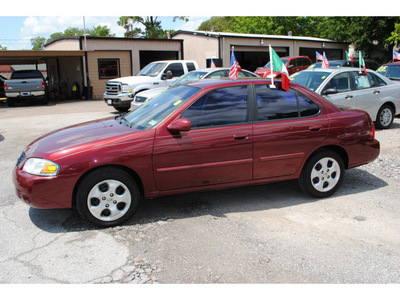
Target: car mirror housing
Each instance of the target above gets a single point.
(166, 75)
(179, 125)
(329, 92)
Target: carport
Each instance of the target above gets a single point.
(63, 69)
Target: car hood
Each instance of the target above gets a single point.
(133, 79)
(76, 138)
(152, 92)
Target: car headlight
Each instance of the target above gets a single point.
(126, 88)
(41, 167)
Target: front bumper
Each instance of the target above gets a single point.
(119, 100)
(44, 192)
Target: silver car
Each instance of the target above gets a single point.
(144, 96)
(371, 92)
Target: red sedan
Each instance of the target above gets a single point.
(205, 135)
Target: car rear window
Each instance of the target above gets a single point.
(26, 74)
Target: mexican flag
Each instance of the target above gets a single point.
(278, 66)
(349, 57)
(362, 63)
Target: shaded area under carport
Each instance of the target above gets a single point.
(64, 68)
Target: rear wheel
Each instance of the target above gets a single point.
(384, 118)
(107, 197)
(322, 174)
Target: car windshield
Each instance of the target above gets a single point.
(189, 77)
(332, 64)
(311, 80)
(268, 65)
(152, 69)
(390, 71)
(153, 112)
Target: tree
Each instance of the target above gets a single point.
(38, 42)
(151, 24)
(3, 47)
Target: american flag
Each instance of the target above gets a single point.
(325, 63)
(318, 55)
(396, 55)
(235, 67)
(213, 64)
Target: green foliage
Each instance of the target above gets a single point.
(37, 42)
(3, 47)
(152, 27)
(368, 34)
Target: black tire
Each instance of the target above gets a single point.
(122, 109)
(385, 116)
(107, 197)
(10, 102)
(322, 174)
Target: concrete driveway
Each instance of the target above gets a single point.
(265, 234)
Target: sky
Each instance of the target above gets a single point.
(16, 31)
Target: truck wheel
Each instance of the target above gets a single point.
(107, 197)
(10, 102)
(122, 109)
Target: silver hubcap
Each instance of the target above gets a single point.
(109, 200)
(386, 117)
(325, 174)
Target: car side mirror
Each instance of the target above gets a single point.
(179, 125)
(329, 92)
(166, 75)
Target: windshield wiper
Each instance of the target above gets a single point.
(122, 119)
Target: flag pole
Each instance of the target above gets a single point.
(272, 68)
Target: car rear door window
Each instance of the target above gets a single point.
(220, 107)
(277, 104)
(190, 66)
(364, 81)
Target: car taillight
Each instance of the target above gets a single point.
(372, 131)
(43, 85)
(5, 85)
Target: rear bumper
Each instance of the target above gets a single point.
(363, 153)
(40, 94)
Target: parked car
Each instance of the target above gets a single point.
(120, 91)
(374, 93)
(333, 64)
(204, 135)
(390, 70)
(370, 63)
(2, 92)
(293, 64)
(24, 85)
(144, 96)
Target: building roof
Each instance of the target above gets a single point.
(258, 36)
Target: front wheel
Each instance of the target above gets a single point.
(107, 197)
(322, 174)
(385, 117)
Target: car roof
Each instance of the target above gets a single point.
(334, 69)
(224, 82)
(392, 63)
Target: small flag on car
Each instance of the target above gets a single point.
(235, 67)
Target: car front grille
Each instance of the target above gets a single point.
(113, 88)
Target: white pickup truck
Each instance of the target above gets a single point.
(120, 91)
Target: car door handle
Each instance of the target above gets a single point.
(376, 92)
(348, 97)
(315, 128)
(241, 136)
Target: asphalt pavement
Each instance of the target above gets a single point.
(265, 234)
